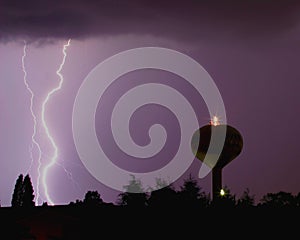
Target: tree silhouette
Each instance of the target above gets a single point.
(279, 199)
(297, 200)
(246, 200)
(165, 197)
(23, 193)
(134, 195)
(191, 195)
(18, 192)
(161, 183)
(92, 198)
(28, 191)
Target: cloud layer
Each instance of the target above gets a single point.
(182, 20)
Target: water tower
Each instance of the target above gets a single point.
(232, 148)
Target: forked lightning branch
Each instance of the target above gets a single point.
(42, 169)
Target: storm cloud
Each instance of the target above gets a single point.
(180, 20)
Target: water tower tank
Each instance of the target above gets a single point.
(232, 148)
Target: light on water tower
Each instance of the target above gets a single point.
(222, 192)
(214, 121)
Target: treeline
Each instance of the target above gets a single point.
(189, 195)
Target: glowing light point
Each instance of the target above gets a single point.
(222, 192)
(51, 139)
(215, 121)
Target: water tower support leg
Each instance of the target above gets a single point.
(216, 182)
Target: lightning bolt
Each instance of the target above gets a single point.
(33, 139)
(69, 175)
(53, 160)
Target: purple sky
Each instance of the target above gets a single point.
(251, 50)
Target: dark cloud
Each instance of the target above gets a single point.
(189, 20)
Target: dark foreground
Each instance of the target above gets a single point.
(110, 221)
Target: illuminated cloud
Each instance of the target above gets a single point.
(47, 21)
